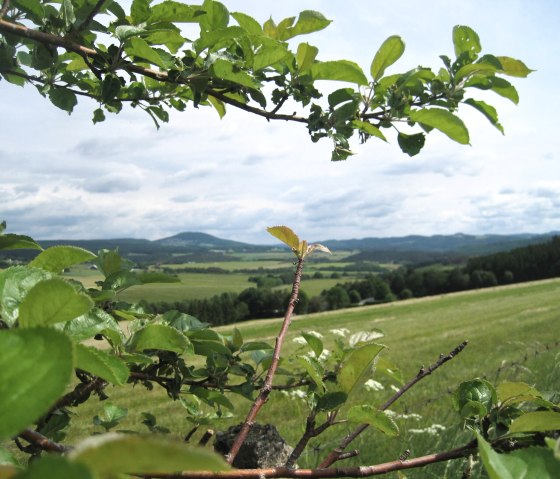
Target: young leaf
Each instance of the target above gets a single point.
(35, 367)
(12, 241)
(63, 98)
(465, 39)
(514, 68)
(389, 52)
(444, 121)
(339, 70)
(96, 321)
(368, 128)
(57, 258)
(367, 414)
(476, 390)
(111, 454)
(331, 401)
(52, 301)
(140, 48)
(358, 367)
(305, 56)
(248, 23)
(286, 235)
(314, 369)
(101, 364)
(318, 247)
(158, 336)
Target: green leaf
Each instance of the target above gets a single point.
(537, 421)
(35, 367)
(138, 47)
(140, 11)
(248, 23)
(411, 144)
(182, 322)
(487, 110)
(7, 459)
(15, 283)
(101, 364)
(170, 11)
(286, 235)
(158, 336)
(308, 21)
(54, 467)
(368, 128)
(331, 400)
(389, 52)
(255, 346)
(111, 416)
(314, 343)
(110, 454)
(358, 367)
(339, 70)
(95, 321)
(67, 10)
(216, 16)
(305, 56)
(226, 70)
(471, 69)
(12, 241)
(34, 8)
(218, 105)
(314, 369)
(52, 301)
(532, 462)
(58, 258)
(217, 37)
(514, 68)
(465, 39)
(98, 116)
(124, 32)
(110, 87)
(380, 420)
(270, 55)
(63, 98)
(505, 89)
(237, 339)
(444, 121)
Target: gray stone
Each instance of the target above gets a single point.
(263, 448)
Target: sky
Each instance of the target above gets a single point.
(63, 177)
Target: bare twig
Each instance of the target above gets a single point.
(37, 439)
(206, 437)
(360, 471)
(335, 453)
(4, 10)
(267, 387)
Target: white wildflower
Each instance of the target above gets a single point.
(299, 340)
(342, 332)
(315, 333)
(298, 394)
(373, 385)
(394, 388)
(364, 336)
(432, 430)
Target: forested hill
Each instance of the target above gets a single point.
(200, 247)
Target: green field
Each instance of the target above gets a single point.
(512, 333)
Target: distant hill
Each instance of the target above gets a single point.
(459, 243)
(193, 240)
(198, 247)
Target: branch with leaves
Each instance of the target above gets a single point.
(143, 59)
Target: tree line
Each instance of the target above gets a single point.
(268, 299)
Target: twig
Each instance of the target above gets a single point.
(206, 437)
(335, 453)
(5, 6)
(37, 439)
(361, 471)
(267, 387)
(96, 9)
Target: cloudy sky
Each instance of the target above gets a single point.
(63, 177)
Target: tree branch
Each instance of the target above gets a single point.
(335, 453)
(67, 44)
(267, 387)
(37, 439)
(4, 10)
(360, 471)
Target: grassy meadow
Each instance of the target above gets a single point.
(513, 334)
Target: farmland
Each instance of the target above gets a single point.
(512, 333)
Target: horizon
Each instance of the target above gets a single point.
(273, 240)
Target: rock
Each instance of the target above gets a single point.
(263, 448)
